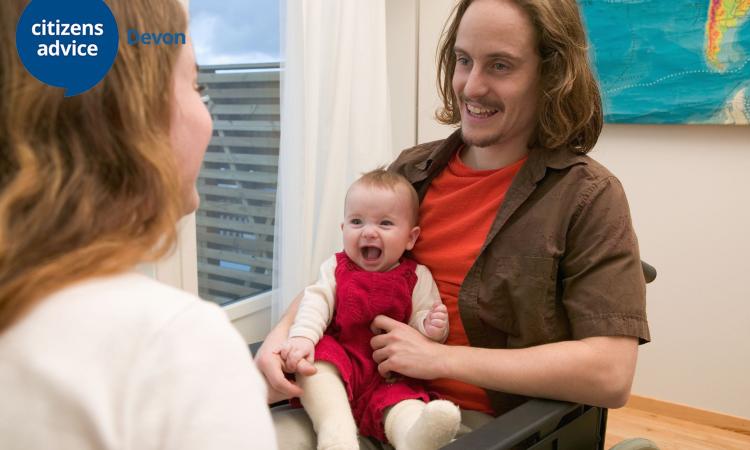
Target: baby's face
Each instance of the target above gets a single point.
(377, 226)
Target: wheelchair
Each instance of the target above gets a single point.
(541, 424)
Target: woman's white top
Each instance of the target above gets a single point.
(127, 363)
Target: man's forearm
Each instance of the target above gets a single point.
(597, 371)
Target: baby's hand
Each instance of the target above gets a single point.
(296, 349)
(436, 322)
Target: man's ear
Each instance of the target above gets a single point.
(413, 235)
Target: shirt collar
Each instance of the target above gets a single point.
(539, 159)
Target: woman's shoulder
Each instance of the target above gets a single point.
(128, 295)
(115, 321)
(118, 310)
(130, 340)
(123, 283)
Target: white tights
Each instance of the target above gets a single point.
(409, 424)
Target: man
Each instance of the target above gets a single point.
(529, 241)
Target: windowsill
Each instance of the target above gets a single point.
(248, 306)
(251, 317)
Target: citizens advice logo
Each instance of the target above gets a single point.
(73, 44)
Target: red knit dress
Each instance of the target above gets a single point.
(360, 296)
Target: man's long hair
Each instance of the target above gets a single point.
(88, 184)
(570, 106)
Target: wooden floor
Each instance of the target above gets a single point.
(670, 433)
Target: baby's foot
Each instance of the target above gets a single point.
(435, 427)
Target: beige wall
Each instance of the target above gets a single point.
(689, 190)
(402, 17)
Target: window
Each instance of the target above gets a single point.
(237, 50)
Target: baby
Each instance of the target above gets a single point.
(332, 327)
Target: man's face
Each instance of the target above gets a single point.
(496, 78)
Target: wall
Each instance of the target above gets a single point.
(402, 17)
(689, 189)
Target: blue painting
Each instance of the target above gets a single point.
(667, 62)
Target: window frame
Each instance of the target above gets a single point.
(252, 315)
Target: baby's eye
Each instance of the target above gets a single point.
(386, 223)
(356, 221)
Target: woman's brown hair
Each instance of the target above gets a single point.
(88, 184)
(570, 107)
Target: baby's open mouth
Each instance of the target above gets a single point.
(371, 253)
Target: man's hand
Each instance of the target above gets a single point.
(295, 350)
(436, 322)
(271, 366)
(402, 349)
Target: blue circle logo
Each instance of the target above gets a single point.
(71, 44)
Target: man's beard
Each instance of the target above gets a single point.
(484, 141)
(488, 140)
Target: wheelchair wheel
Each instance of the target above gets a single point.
(635, 444)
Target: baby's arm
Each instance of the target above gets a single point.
(314, 315)
(429, 314)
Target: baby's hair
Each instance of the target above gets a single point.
(381, 178)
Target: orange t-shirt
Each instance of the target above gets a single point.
(455, 217)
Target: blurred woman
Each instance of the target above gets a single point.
(93, 354)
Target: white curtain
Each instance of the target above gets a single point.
(334, 126)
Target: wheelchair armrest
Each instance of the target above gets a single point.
(516, 426)
(649, 271)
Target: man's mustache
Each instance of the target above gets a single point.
(491, 104)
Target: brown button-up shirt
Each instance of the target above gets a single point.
(561, 259)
